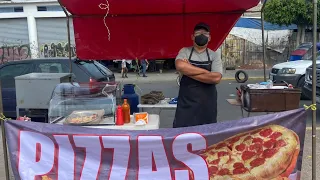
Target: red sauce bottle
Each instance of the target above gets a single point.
(119, 120)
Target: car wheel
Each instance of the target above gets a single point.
(300, 85)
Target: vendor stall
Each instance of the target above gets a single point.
(109, 23)
(76, 104)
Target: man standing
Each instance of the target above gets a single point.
(144, 64)
(202, 70)
(124, 70)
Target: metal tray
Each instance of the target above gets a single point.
(85, 114)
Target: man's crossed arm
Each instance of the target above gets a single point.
(196, 73)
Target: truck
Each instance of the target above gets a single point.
(307, 88)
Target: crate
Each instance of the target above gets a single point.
(269, 100)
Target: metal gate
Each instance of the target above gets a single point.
(53, 37)
(14, 39)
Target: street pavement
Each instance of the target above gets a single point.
(226, 90)
(170, 75)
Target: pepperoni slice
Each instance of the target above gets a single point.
(215, 162)
(257, 140)
(240, 170)
(248, 155)
(281, 143)
(247, 138)
(257, 162)
(213, 169)
(266, 132)
(257, 148)
(241, 147)
(221, 145)
(238, 165)
(235, 139)
(275, 135)
(223, 172)
(222, 153)
(270, 144)
(268, 153)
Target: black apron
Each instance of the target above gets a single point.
(197, 101)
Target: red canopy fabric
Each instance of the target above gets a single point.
(152, 29)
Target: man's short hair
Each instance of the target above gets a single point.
(203, 26)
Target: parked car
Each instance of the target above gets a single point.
(303, 51)
(83, 71)
(307, 88)
(292, 72)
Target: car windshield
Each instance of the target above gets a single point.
(96, 69)
(305, 46)
(318, 56)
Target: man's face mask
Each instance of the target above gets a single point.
(201, 39)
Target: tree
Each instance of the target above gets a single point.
(287, 12)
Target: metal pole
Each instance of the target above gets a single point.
(4, 142)
(263, 44)
(68, 29)
(314, 90)
(263, 48)
(69, 42)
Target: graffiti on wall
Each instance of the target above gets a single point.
(14, 52)
(60, 49)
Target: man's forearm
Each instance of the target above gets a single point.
(208, 78)
(189, 69)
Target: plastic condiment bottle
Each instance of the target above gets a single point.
(119, 120)
(126, 111)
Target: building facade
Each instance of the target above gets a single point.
(33, 29)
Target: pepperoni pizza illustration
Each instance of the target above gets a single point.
(269, 152)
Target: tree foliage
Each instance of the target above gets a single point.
(287, 12)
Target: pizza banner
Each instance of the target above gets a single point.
(260, 147)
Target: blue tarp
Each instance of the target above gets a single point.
(255, 23)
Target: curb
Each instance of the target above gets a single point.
(250, 78)
(224, 78)
(310, 128)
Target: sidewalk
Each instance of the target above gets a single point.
(171, 76)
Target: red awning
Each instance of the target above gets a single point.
(116, 29)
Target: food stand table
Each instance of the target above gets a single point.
(154, 123)
(163, 104)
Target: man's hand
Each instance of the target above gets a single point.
(184, 67)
